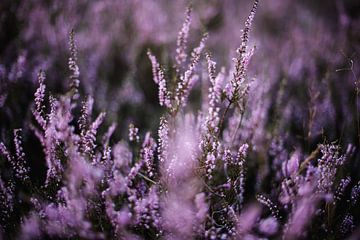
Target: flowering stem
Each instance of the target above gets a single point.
(223, 118)
(238, 127)
(146, 178)
(308, 159)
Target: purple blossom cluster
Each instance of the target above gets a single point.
(224, 156)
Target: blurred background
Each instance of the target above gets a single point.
(306, 63)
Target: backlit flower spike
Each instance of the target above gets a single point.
(182, 39)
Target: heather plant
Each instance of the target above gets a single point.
(214, 170)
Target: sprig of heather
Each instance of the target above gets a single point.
(239, 88)
(39, 100)
(6, 201)
(355, 194)
(86, 111)
(21, 170)
(188, 78)
(347, 225)
(216, 82)
(4, 151)
(274, 209)
(159, 78)
(18, 163)
(134, 171)
(163, 140)
(212, 118)
(240, 161)
(182, 39)
(148, 210)
(327, 166)
(339, 192)
(209, 143)
(155, 66)
(148, 153)
(164, 94)
(133, 133)
(210, 164)
(50, 142)
(73, 67)
(108, 134)
(88, 140)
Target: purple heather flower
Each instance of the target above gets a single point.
(148, 152)
(269, 226)
(133, 133)
(39, 100)
(270, 204)
(201, 206)
(347, 225)
(163, 140)
(159, 78)
(6, 200)
(19, 164)
(291, 166)
(355, 194)
(327, 166)
(339, 193)
(301, 217)
(89, 138)
(247, 219)
(31, 228)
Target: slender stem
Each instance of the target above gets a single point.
(238, 127)
(308, 159)
(146, 178)
(223, 118)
